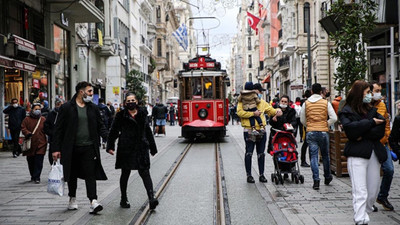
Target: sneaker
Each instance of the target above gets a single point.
(385, 204)
(316, 185)
(262, 179)
(156, 135)
(304, 164)
(15, 156)
(72, 205)
(262, 130)
(124, 203)
(255, 132)
(250, 179)
(374, 208)
(327, 181)
(95, 207)
(37, 181)
(153, 203)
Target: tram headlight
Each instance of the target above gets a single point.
(203, 113)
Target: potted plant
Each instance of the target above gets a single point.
(356, 20)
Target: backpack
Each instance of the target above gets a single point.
(298, 110)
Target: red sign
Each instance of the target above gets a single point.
(26, 19)
(6, 62)
(202, 64)
(35, 83)
(24, 66)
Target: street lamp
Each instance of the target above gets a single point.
(307, 29)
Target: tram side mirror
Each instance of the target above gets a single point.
(175, 83)
(227, 81)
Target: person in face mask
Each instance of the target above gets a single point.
(364, 127)
(35, 155)
(16, 114)
(277, 123)
(135, 141)
(76, 141)
(387, 166)
(50, 124)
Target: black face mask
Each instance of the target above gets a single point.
(131, 105)
(327, 95)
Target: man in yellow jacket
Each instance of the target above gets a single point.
(387, 166)
(262, 108)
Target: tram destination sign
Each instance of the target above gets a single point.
(201, 64)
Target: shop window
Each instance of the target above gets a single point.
(159, 50)
(13, 85)
(38, 86)
(61, 43)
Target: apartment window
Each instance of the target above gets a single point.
(250, 77)
(249, 43)
(159, 50)
(158, 14)
(250, 61)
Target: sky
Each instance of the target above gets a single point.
(220, 37)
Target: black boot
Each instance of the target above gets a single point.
(124, 203)
(153, 202)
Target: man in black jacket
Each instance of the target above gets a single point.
(49, 125)
(76, 141)
(16, 114)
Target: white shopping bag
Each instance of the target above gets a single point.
(55, 184)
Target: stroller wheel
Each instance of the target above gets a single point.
(292, 176)
(276, 179)
(301, 179)
(296, 178)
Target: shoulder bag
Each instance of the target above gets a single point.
(26, 144)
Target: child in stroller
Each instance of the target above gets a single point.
(285, 158)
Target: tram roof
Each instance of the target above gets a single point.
(199, 73)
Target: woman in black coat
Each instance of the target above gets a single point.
(277, 123)
(364, 127)
(135, 139)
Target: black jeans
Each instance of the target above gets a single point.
(83, 163)
(299, 127)
(35, 165)
(15, 140)
(253, 118)
(304, 150)
(144, 174)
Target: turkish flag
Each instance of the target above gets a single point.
(253, 21)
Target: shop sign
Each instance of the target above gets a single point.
(35, 83)
(377, 61)
(25, 45)
(296, 87)
(36, 74)
(64, 20)
(6, 62)
(24, 66)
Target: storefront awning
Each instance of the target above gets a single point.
(82, 11)
(25, 45)
(267, 79)
(24, 66)
(6, 62)
(51, 56)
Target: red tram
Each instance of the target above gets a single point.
(203, 106)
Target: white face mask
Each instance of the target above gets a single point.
(283, 106)
(15, 105)
(377, 96)
(88, 98)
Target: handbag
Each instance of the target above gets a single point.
(26, 144)
(55, 183)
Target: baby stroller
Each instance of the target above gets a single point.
(285, 158)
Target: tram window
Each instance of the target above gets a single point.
(208, 87)
(218, 87)
(188, 93)
(196, 86)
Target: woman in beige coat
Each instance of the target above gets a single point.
(35, 155)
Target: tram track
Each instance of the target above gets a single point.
(221, 207)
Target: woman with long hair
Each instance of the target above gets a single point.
(135, 140)
(33, 127)
(364, 128)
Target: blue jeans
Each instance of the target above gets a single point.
(260, 147)
(319, 140)
(387, 178)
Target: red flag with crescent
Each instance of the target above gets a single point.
(253, 21)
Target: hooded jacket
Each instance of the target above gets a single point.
(249, 99)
